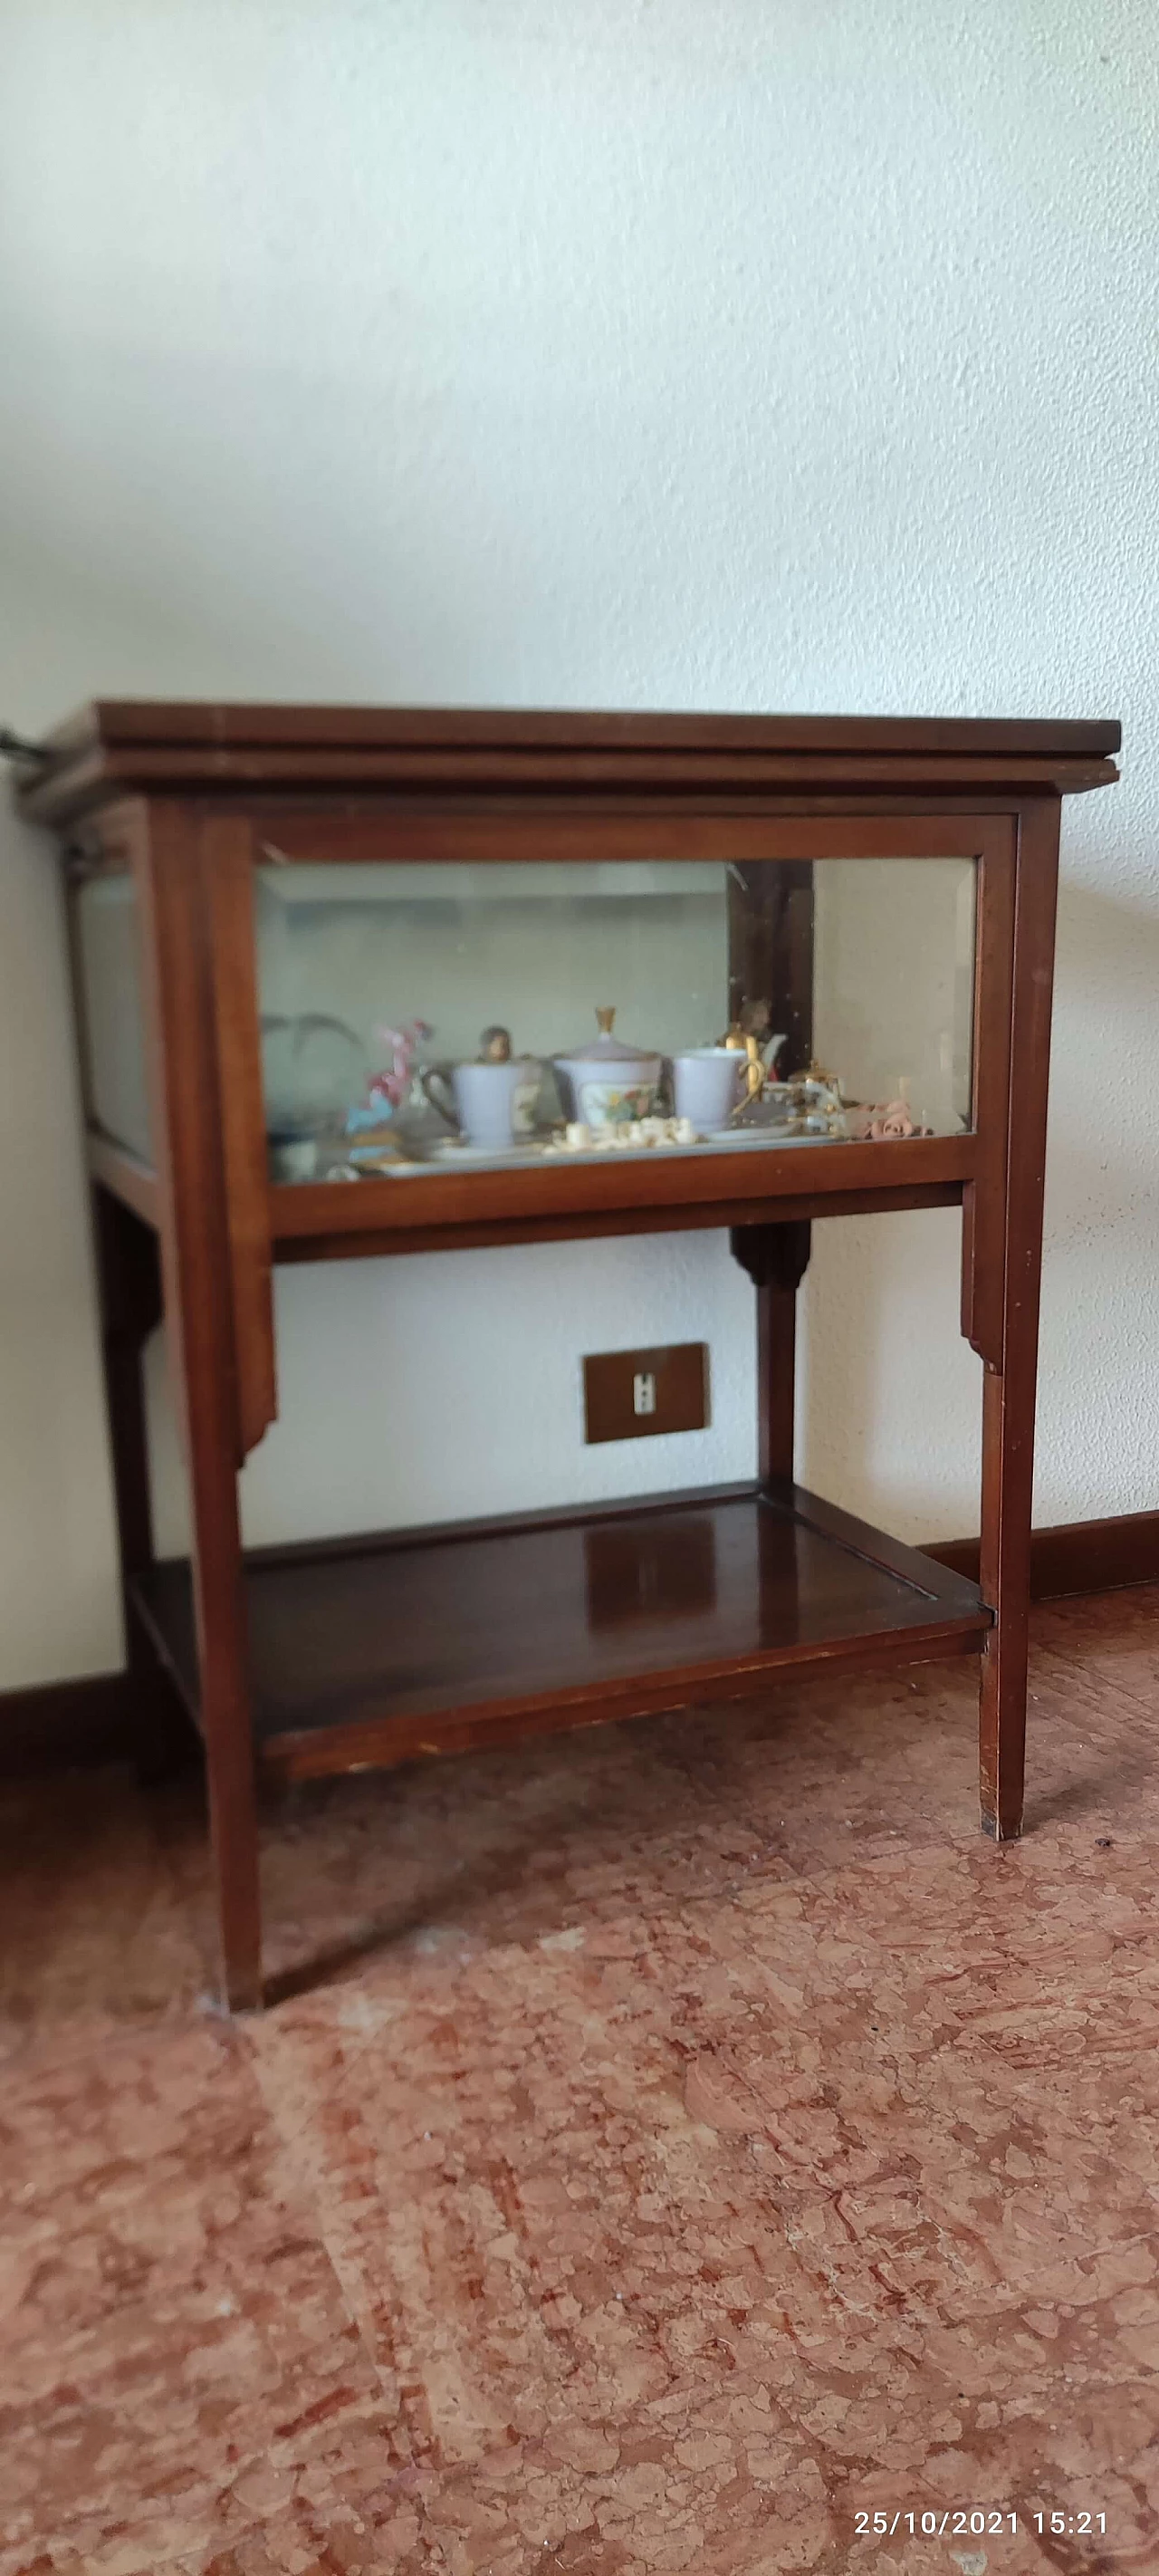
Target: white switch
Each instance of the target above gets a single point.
(644, 1392)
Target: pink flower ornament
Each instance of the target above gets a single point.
(894, 1119)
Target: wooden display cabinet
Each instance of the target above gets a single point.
(468, 867)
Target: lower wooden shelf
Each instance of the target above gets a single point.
(367, 1652)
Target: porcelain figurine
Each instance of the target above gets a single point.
(389, 1090)
(754, 1079)
(606, 1083)
(753, 1022)
(754, 1069)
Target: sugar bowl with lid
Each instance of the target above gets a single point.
(605, 1082)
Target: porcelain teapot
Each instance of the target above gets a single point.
(489, 1100)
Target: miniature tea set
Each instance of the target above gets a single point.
(614, 1098)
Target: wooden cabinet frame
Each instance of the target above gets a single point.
(190, 799)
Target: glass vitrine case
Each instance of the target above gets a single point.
(425, 1017)
(376, 981)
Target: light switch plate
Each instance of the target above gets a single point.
(630, 1395)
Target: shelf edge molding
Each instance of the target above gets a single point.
(371, 1653)
(118, 746)
(654, 1188)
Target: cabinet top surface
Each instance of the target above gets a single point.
(142, 746)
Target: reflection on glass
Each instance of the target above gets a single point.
(654, 1570)
(424, 1016)
(112, 1016)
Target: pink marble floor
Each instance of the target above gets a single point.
(672, 2141)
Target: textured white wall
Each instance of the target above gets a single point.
(642, 354)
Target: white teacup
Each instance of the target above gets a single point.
(490, 1104)
(707, 1085)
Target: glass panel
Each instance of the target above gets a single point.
(424, 1016)
(112, 1014)
(893, 982)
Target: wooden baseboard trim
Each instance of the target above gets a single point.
(66, 1726)
(1081, 1556)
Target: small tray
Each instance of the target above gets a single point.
(450, 1156)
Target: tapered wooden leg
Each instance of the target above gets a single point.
(776, 1258)
(200, 1321)
(1009, 1397)
(1008, 1444)
(227, 1723)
